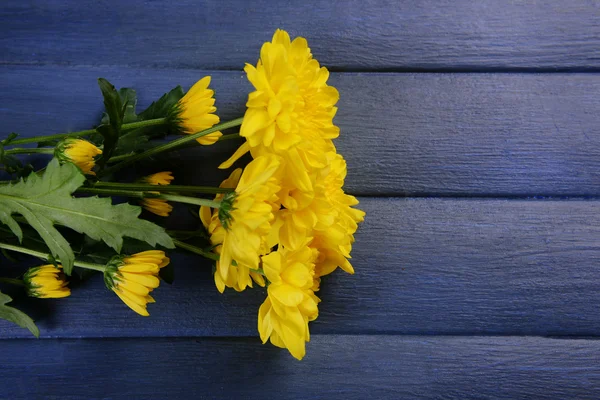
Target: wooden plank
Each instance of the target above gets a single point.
(389, 366)
(402, 134)
(423, 266)
(344, 35)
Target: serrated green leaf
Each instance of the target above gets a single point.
(138, 139)
(16, 316)
(129, 100)
(46, 200)
(161, 107)
(114, 113)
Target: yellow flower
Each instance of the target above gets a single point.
(79, 152)
(213, 225)
(334, 240)
(160, 178)
(243, 223)
(194, 112)
(158, 206)
(291, 303)
(132, 278)
(291, 111)
(46, 281)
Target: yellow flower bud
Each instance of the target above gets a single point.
(158, 206)
(132, 278)
(79, 152)
(46, 281)
(195, 112)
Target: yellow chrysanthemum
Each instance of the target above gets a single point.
(195, 112)
(291, 303)
(243, 224)
(334, 240)
(46, 281)
(291, 111)
(158, 206)
(79, 152)
(132, 278)
(210, 220)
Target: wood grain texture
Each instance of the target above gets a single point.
(336, 367)
(344, 35)
(402, 134)
(423, 266)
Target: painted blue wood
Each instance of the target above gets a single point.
(402, 134)
(336, 367)
(423, 266)
(432, 267)
(345, 35)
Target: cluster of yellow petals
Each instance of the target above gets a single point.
(135, 276)
(46, 281)
(79, 152)
(195, 111)
(298, 224)
(158, 206)
(291, 303)
(241, 243)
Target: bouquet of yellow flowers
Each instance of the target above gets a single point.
(281, 222)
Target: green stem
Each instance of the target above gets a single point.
(195, 250)
(149, 194)
(142, 124)
(58, 136)
(172, 145)
(162, 188)
(191, 200)
(229, 137)
(42, 150)
(12, 281)
(36, 139)
(116, 159)
(113, 192)
(45, 256)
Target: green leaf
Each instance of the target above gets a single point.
(46, 200)
(129, 100)
(114, 113)
(16, 316)
(161, 107)
(11, 136)
(138, 139)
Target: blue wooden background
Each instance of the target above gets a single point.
(472, 134)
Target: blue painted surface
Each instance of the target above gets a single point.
(438, 279)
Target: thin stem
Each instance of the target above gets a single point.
(42, 150)
(149, 194)
(115, 159)
(196, 250)
(45, 256)
(122, 157)
(142, 124)
(229, 137)
(162, 188)
(58, 136)
(18, 282)
(191, 200)
(36, 139)
(172, 145)
(113, 192)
